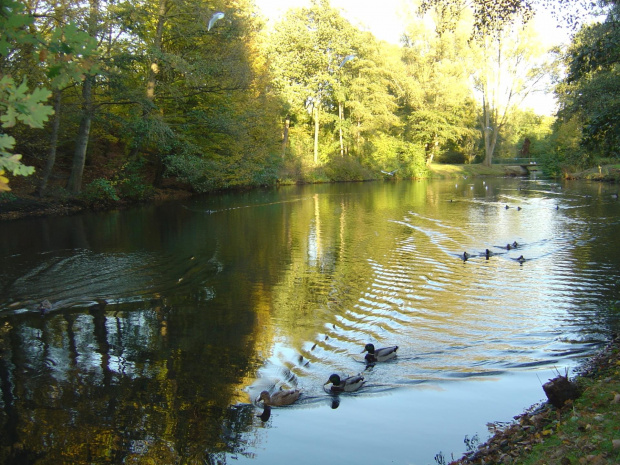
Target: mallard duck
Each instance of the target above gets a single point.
(379, 355)
(278, 398)
(352, 383)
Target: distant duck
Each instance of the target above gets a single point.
(519, 208)
(521, 259)
(557, 207)
(506, 207)
(379, 355)
(515, 245)
(350, 384)
(278, 398)
(487, 253)
(508, 247)
(44, 307)
(465, 256)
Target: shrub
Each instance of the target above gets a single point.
(100, 190)
(131, 183)
(346, 169)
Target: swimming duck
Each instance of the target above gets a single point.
(487, 253)
(465, 256)
(379, 355)
(350, 384)
(278, 398)
(521, 259)
(44, 307)
(515, 245)
(508, 247)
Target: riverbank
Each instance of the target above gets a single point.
(22, 202)
(585, 431)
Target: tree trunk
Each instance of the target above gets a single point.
(151, 80)
(287, 125)
(489, 132)
(51, 154)
(340, 128)
(74, 185)
(316, 135)
(154, 68)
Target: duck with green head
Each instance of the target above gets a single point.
(379, 355)
(350, 384)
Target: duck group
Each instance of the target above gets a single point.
(285, 397)
(488, 253)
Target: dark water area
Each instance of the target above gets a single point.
(168, 321)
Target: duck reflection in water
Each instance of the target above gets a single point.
(266, 413)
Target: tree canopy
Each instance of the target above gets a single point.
(115, 98)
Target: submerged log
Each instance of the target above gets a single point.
(560, 389)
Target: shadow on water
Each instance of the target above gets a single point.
(167, 322)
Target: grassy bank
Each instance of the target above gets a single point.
(585, 431)
(440, 171)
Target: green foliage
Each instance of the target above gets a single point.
(7, 197)
(130, 183)
(408, 158)
(100, 191)
(590, 90)
(346, 169)
(13, 26)
(69, 53)
(566, 153)
(413, 161)
(18, 104)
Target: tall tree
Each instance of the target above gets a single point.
(74, 184)
(590, 91)
(439, 97)
(511, 66)
(307, 47)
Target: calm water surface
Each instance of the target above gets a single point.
(168, 321)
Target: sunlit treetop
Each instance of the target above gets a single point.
(491, 17)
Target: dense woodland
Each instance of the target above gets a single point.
(111, 99)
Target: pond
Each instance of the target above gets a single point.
(166, 322)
